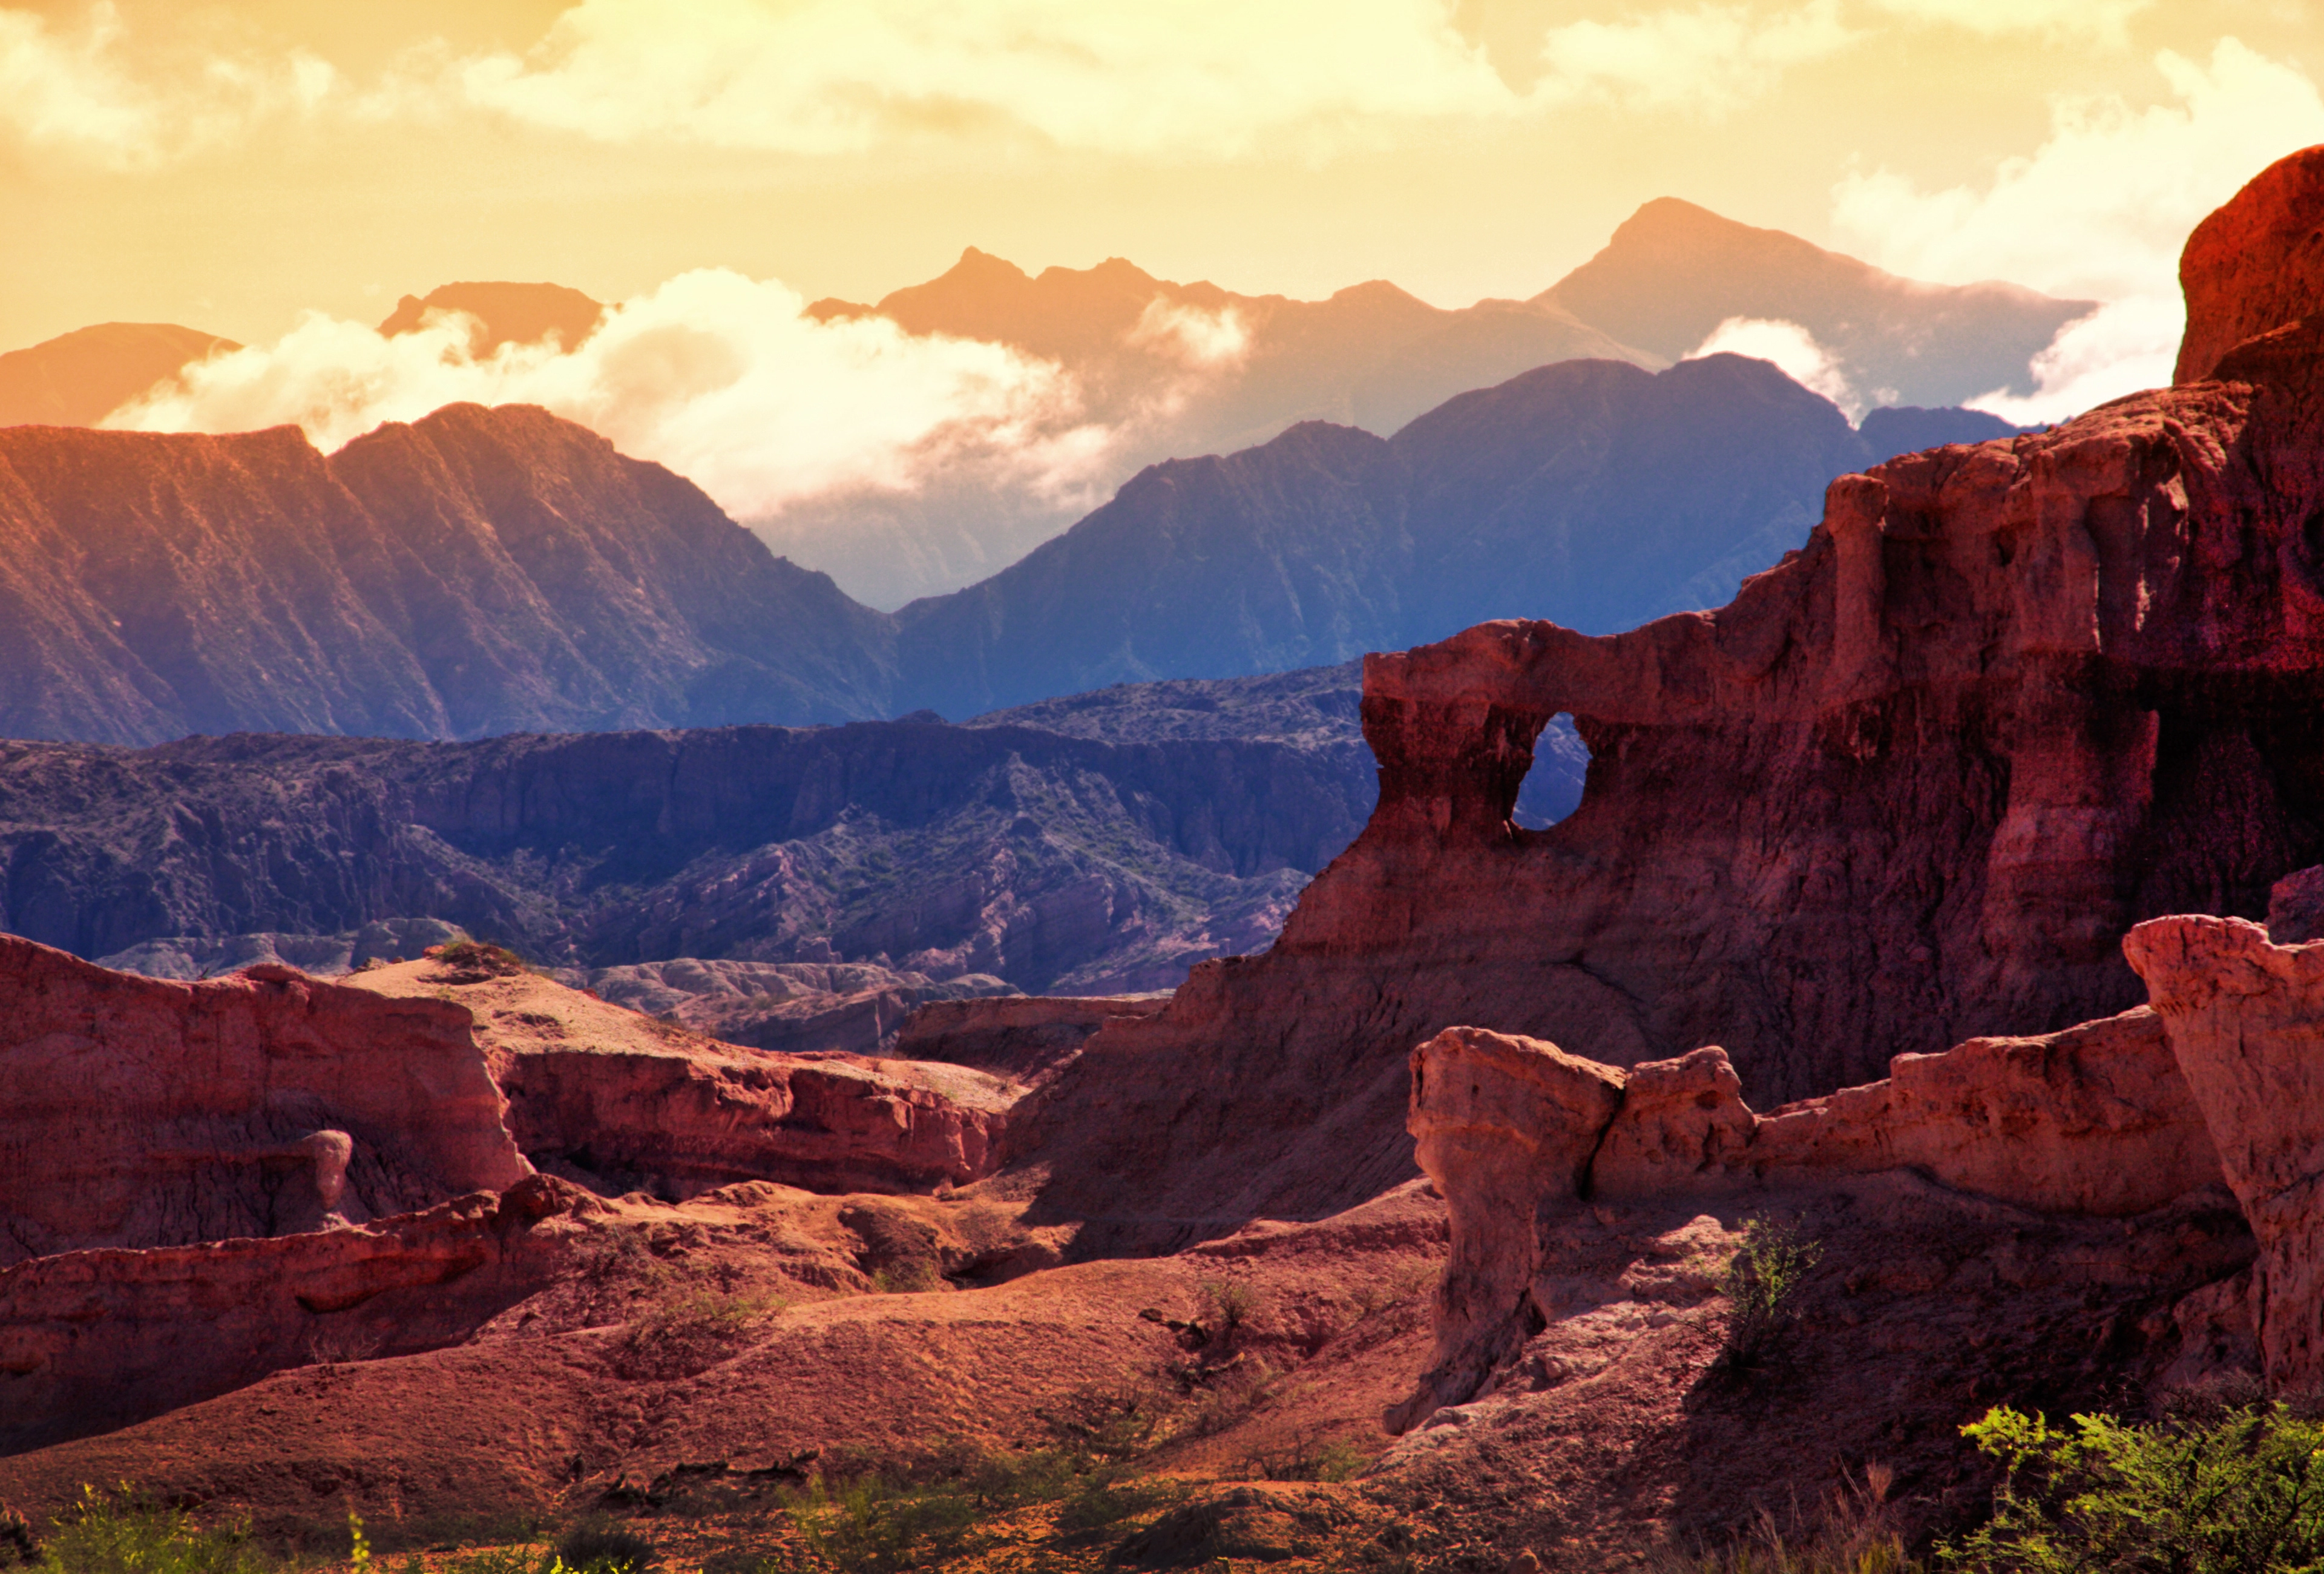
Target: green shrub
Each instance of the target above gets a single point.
(1762, 1284)
(123, 1532)
(2236, 1491)
(473, 961)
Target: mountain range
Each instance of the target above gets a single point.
(1160, 370)
(483, 571)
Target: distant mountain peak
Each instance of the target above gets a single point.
(509, 313)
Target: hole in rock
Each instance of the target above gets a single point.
(1553, 783)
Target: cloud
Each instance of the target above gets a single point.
(2104, 22)
(1793, 351)
(821, 76)
(1188, 334)
(721, 377)
(2120, 348)
(74, 94)
(2102, 208)
(1710, 61)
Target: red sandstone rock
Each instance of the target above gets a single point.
(2245, 1019)
(94, 1339)
(2094, 1121)
(1500, 1124)
(2255, 264)
(1019, 1036)
(603, 1094)
(145, 1113)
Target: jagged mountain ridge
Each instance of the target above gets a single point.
(1590, 492)
(1673, 272)
(478, 572)
(1049, 861)
(483, 571)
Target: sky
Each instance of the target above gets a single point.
(280, 172)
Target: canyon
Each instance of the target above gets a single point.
(1911, 910)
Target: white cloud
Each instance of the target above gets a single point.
(1792, 350)
(721, 377)
(2104, 22)
(1710, 61)
(2102, 208)
(1167, 77)
(75, 94)
(1190, 335)
(2120, 348)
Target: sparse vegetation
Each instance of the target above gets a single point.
(688, 1334)
(1762, 1284)
(2234, 1489)
(475, 961)
(123, 1532)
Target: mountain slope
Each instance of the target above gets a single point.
(504, 313)
(80, 378)
(1591, 492)
(1673, 272)
(481, 570)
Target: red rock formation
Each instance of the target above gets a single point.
(2245, 1017)
(1910, 787)
(146, 1113)
(603, 1094)
(94, 1339)
(1021, 1036)
(2255, 264)
(2093, 1121)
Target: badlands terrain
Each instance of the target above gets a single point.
(1938, 911)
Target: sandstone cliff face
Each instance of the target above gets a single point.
(94, 1339)
(619, 1101)
(143, 1113)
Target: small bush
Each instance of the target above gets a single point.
(123, 1531)
(600, 1546)
(1228, 1306)
(18, 1544)
(1856, 1535)
(473, 961)
(1306, 1456)
(2239, 1492)
(691, 1334)
(1762, 1284)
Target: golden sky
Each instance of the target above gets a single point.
(226, 165)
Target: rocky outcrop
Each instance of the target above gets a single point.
(2095, 1121)
(2245, 1018)
(1024, 1037)
(90, 1340)
(143, 1113)
(620, 1102)
(793, 1007)
(1910, 787)
(2255, 265)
